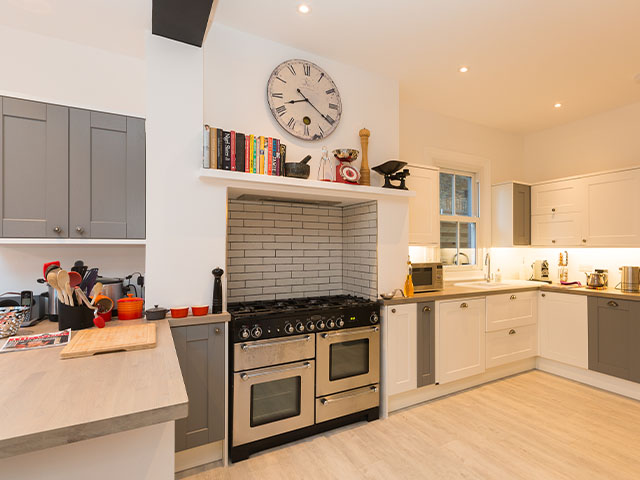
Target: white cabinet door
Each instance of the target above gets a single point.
(402, 356)
(558, 229)
(511, 310)
(460, 339)
(511, 344)
(424, 220)
(564, 328)
(566, 196)
(610, 202)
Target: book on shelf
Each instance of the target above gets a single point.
(213, 147)
(206, 152)
(240, 155)
(254, 161)
(219, 149)
(283, 157)
(269, 160)
(261, 156)
(226, 161)
(233, 150)
(276, 156)
(247, 162)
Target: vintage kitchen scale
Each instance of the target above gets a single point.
(345, 173)
(391, 173)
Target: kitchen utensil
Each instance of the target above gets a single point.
(65, 286)
(179, 312)
(104, 304)
(98, 321)
(52, 279)
(79, 267)
(390, 171)
(390, 295)
(114, 289)
(130, 308)
(298, 170)
(46, 268)
(75, 279)
(112, 339)
(596, 280)
(156, 313)
(345, 173)
(95, 291)
(365, 174)
(200, 310)
(89, 279)
(75, 318)
(630, 279)
(10, 320)
(216, 304)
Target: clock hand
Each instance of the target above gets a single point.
(296, 101)
(314, 107)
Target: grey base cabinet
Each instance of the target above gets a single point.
(614, 336)
(201, 353)
(426, 337)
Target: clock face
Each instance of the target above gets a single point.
(304, 100)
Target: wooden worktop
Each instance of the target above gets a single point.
(453, 292)
(47, 401)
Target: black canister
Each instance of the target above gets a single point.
(216, 305)
(75, 318)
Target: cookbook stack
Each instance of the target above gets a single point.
(231, 150)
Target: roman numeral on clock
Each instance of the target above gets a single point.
(321, 131)
(276, 95)
(330, 91)
(321, 76)
(329, 119)
(306, 130)
(307, 69)
(332, 106)
(291, 122)
(283, 81)
(291, 69)
(281, 110)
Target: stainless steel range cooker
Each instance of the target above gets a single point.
(299, 367)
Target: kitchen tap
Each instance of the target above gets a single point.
(487, 262)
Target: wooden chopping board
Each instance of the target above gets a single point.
(111, 339)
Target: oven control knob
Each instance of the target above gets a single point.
(331, 323)
(340, 322)
(256, 332)
(288, 328)
(320, 325)
(300, 327)
(244, 333)
(373, 318)
(310, 326)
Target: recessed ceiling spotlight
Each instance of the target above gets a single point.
(463, 69)
(557, 105)
(303, 8)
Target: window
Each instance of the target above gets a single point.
(458, 218)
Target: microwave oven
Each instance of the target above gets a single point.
(427, 277)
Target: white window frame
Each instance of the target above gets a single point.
(447, 161)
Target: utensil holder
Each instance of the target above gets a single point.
(75, 318)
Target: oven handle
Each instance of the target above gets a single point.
(247, 346)
(247, 376)
(326, 401)
(340, 334)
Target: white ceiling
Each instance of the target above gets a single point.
(523, 55)
(114, 25)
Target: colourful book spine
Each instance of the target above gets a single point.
(269, 160)
(274, 161)
(233, 150)
(261, 157)
(251, 140)
(247, 163)
(255, 155)
(277, 156)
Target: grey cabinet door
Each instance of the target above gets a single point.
(521, 214)
(612, 327)
(34, 169)
(107, 175)
(201, 353)
(426, 337)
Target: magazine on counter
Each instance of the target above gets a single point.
(41, 340)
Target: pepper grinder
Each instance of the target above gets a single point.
(216, 305)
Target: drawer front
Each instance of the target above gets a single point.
(340, 404)
(511, 310)
(510, 345)
(263, 353)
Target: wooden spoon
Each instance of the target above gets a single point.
(65, 285)
(52, 279)
(95, 291)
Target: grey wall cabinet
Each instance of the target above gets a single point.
(34, 176)
(614, 336)
(426, 337)
(201, 353)
(521, 214)
(67, 172)
(510, 214)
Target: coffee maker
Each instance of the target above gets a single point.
(541, 271)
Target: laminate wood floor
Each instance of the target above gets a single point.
(530, 426)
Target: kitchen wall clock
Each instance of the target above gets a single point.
(304, 99)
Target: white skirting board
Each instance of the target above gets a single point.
(413, 397)
(589, 377)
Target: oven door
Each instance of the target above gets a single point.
(347, 359)
(274, 400)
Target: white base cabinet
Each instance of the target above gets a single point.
(460, 339)
(512, 344)
(400, 323)
(564, 328)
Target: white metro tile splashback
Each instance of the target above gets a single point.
(516, 262)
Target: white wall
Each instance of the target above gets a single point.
(52, 70)
(236, 69)
(605, 141)
(421, 131)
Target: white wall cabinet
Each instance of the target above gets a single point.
(564, 196)
(400, 322)
(564, 328)
(557, 229)
(460, 339)
(424, 219)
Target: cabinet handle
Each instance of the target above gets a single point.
(463, 305)
(612, 303)
(553, 241)
(584, 240)
(544, 295)
(426, 309)
(512, 332)
(57, 229)
(79, 229)
(217, 330)
(513, 297)
(553, 210)
(393, 310)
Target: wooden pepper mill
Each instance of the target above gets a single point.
(365, 174)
